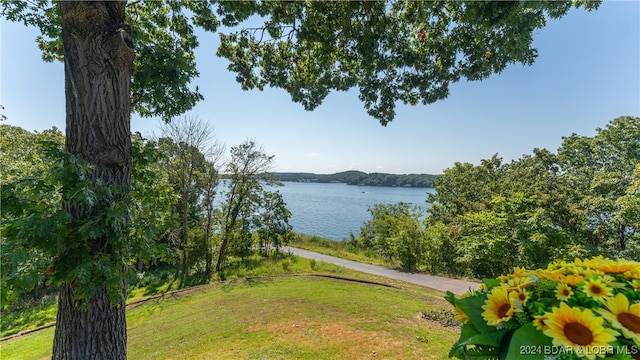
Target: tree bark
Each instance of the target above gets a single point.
(98, 332)
(98, 68)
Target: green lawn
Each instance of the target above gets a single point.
(298, 317)
(161, 281)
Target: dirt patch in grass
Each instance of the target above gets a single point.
(347, 340)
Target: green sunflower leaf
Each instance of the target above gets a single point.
(529, 343)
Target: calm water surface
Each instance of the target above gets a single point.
(334, 210)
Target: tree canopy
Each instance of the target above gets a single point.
(390, 51)
(486, 219)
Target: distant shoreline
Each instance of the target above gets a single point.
(362, 179)
(339, 182)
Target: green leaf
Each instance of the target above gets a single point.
(491, 282)
(451, 298)
(529, 343)
(470, 336)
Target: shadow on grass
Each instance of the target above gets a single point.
(15, 322)
(198, 278)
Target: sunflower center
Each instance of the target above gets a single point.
(565, 292)
(595, 289)
(503, 310)
(578, 334)
(630, 321)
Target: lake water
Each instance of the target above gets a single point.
(333, 210)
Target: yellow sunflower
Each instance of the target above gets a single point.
(572, 280)
(518, 283)
(498, 308)
(588, 272)
(550, 274)
(519, 297)
(460, 316)
(521, 272)
(611, 266)
(563, 292)
(596, 289)
(633, 274)
(623, 317)
(578, 330)
(539, 322)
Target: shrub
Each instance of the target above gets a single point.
(285, 265)
(444, 317)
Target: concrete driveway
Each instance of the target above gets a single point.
(434, 282)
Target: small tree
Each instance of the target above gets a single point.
(247, 173)
(273, 222)
(192, 163)
(396, 233)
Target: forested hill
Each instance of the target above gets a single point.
(361, 178)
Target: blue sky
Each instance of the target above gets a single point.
(586, 74)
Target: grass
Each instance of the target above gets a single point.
(281, 317)
(43, 313)
(161, 281)
(276, 318)
(341, 249)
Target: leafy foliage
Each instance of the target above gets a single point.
(272, 222)
(486, 219)
(391, 51)
(164, 37)
(42, 242)
(249, 205)
(395, 233)
(547, 206)
(192, 163)
(35, 221)
(152, 197)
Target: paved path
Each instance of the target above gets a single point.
(434, 282)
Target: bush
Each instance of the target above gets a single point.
(444, 317)
(286, 263)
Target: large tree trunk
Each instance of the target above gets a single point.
(98, 67)
(99, 332)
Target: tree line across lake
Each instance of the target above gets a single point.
(353, 177)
